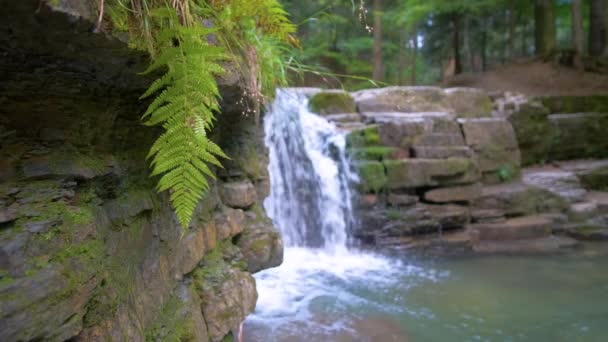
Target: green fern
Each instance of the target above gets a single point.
(185, 108)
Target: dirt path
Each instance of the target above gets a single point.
(534, 78)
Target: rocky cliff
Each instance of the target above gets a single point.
(88, 250)
(441, 169)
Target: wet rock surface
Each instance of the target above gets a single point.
(88, 250)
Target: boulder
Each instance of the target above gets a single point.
(414, 173)
(229, 223)
(226, 299)
(240, 194)
(465, 193)
(518, 199)
(579, 135)
(494, 143)
(402, 133)
(193, 247)
(400, 99)
(562, 183)
(534, 134)
(261, 246)
(8, 214)
(424, 219)
(332, 102)
(468, 102)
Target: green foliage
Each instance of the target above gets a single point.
(184, 108)
(507, 172)
(256, 36)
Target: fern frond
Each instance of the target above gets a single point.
(185, 108)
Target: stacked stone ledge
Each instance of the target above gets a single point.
(448, 161)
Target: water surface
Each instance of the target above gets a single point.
(345, 296)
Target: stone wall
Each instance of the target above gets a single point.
(560, 127)
(88, 250)
(442, 168)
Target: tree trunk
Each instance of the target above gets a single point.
(414, 56)
(598, 27)
(401, 62)
(524, 40)
(512, 23)
(484, 39)
(468, 45)
(544, 13)
(456, 44)
(377, 58)
(577, 34)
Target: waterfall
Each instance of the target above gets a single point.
(310, 198)
(310, 203)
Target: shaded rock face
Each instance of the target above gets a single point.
(88, 250)
(440, 169)
(561, 128)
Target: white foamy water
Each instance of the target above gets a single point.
(310, 199)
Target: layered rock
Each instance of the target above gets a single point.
(561, 128)
(88, 250)
(447, 163)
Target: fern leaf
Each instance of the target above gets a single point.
(187, 97)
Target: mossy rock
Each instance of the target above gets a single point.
(373, 153)
(364, 137)
(595, 180)
(534, 133)
(332, 102)
(576, 104)
(468, 102)
(372, 177)
(579, 135)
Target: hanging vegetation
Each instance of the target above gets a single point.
(254, 35)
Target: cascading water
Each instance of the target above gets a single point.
(310, 199)
(310, 203)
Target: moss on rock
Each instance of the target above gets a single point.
(364, 137)
(332, 102)
(372, 153)
(595, 180)
(372, 177)
(576, 104)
